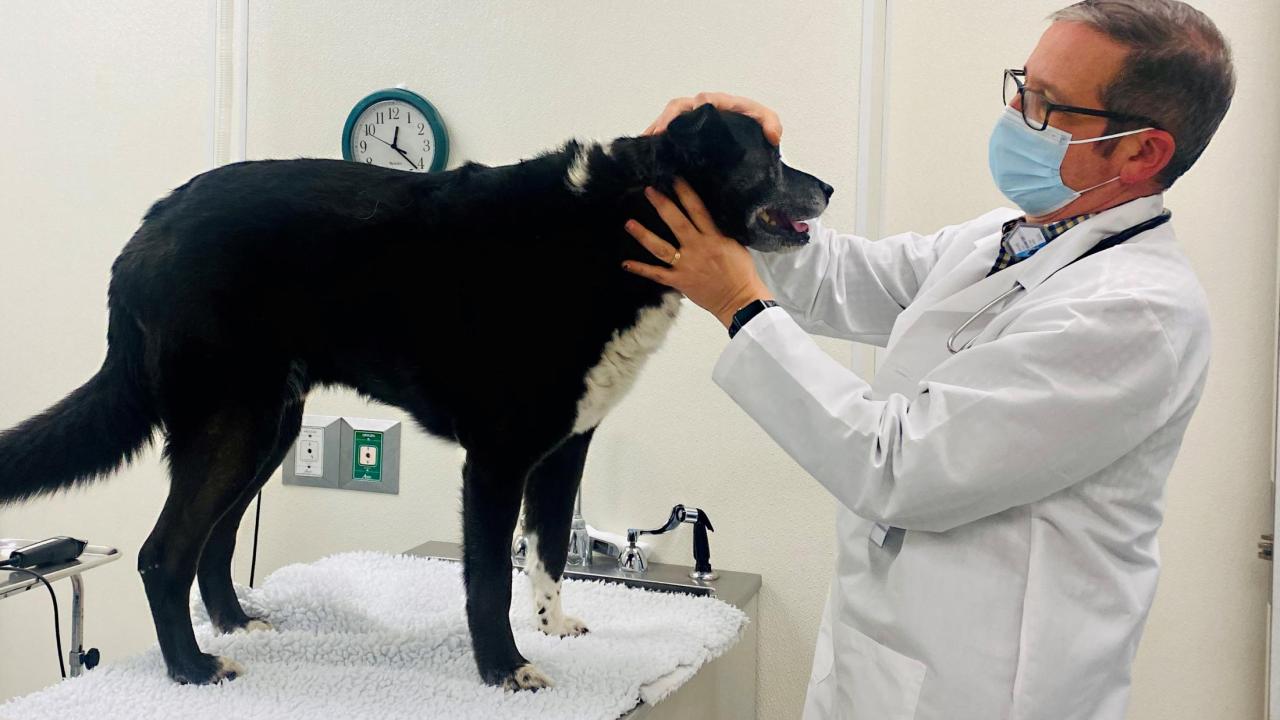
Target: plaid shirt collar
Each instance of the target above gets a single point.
(1014, 246)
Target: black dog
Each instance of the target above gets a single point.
(488, 303)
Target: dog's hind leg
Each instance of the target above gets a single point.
(212, 463)
(548, 509)
(491, 486)
(214, 570)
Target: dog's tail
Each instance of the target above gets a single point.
(90, 433)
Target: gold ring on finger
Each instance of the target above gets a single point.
(675, 259)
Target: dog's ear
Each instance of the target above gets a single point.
(701, 134)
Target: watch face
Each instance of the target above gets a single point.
(393, 134)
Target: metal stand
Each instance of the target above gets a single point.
(80, 658)
(15, 583)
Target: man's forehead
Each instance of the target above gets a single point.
(1073, 62)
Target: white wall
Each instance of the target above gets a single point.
(104, 107)
(73, 184)
(1203, 652)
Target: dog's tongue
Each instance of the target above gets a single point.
(799, 226)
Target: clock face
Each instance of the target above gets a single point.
(393, 134)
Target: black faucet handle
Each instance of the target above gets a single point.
(702, 546)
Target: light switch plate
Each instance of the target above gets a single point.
(370, 456)
(313, 460)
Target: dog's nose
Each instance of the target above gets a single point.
(826, 189)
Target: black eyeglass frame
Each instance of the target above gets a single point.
(1018, 74)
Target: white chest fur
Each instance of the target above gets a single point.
(620, 363)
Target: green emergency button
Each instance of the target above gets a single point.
(367, 463)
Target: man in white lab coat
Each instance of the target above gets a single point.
(1000, 481)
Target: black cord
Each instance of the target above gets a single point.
(253, 562)
(57, 630)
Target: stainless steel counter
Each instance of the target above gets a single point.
(735, 588)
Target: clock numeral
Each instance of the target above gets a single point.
(364, 146)
(368, 129)
(381, 117)
(409, 117)
(393, 112)
(426, 144)
(422, 163)
(368, 161)
(422, 129)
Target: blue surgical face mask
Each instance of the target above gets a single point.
(1027, 164)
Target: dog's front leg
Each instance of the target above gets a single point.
(548, 511)
(490, 506)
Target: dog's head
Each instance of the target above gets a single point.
(750, 193)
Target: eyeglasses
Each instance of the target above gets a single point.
(1036, 109)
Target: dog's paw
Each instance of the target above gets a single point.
(256, 625)
(247, 625)
(564, 626)
(208, 670)
(228, 669)
(527, 677)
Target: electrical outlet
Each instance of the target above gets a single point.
(310, 460)
(313, 459)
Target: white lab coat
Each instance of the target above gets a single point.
(1021, 480)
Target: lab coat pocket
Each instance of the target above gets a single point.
(823, 656)
(819, 701)
(875, 681)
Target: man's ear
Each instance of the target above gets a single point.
(1150, 157)
(701, 133)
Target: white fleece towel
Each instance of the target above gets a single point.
(385, 636)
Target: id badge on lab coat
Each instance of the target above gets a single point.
(921, 348)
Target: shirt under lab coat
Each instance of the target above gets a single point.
(1022, 478)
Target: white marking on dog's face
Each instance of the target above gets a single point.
(620, 363)
(579, 174)
(548, 615)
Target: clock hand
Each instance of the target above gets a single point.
(393, 147)
(394, 137)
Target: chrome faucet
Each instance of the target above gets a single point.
(579, 539)
(632, 558)
(582, 544)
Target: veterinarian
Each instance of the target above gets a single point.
(1000, 481)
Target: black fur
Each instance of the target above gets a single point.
(476, 300)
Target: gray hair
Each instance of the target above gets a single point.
(1178, 71)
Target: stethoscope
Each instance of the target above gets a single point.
(1104, 244)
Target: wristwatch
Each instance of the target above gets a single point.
(743, 316)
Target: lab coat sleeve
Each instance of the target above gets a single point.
(848, 287)
(1068, 388)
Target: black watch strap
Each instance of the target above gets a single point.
(743, 316)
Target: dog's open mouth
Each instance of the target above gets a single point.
(778, 221)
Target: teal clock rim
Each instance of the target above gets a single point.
(423, 106)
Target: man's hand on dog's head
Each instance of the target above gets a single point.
(767, 118)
